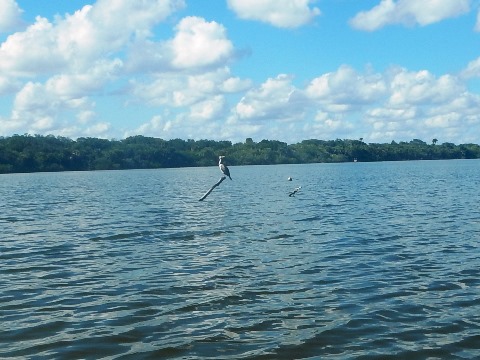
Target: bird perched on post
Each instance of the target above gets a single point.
(223, 167)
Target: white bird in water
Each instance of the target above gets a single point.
(223, 167)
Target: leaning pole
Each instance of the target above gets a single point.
(213, 187)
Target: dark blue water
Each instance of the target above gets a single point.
(367, 261)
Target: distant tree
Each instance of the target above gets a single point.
(418, 142)
(27, 153)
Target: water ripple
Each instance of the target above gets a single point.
(369, 261)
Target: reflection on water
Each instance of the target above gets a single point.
(377, 260)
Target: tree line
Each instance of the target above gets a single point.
(38, 153)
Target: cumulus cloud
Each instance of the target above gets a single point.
(8, 84)
(346, 88)
(71, 43)
(182, 125)
(409, 12)
(395, 105)
(235, 84)
(472, 70)
(32, 52)
(275, 99)
(72, 58)
(10, 15)
(208, 109)
(393, 115)
(43, 107)
(195, 104)
(202, 99)
(92, 81)
(55, 69)
(184, 89)
(200, 43)
(39, 106)
(419, 104)
(197, 45)
(422, 87)
(330, 125)
(280, 13)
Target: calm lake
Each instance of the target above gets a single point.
(366, 261)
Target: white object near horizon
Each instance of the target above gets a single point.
(223, 168)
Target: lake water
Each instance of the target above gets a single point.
(366, 261)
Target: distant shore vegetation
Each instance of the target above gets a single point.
(39, 153)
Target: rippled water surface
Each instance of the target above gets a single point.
(366, 261)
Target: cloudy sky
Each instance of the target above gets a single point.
(286, 70)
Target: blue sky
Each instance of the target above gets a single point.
(286, 70)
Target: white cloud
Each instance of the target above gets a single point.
(346, 88)
(77, 85)
(10, 126)
(56, 70)
(101, 129)
(32, 52)
(124, 16)
(201, 107)
(81, 54)
(236, 84)
(196, 45)
(73, 42)
(85, 116)
(32, 98)
(157, 126)
(472, 70)
(395, 105)
(200, 43)
(8, 84)
(108, 25)
(392, 115)
(183, 125)
(46, 106)
(443, 120)
(409, 12)
(192, 105)
(422, 87)
(147, 56)
(280, 13)
(40, 107)
(10, 15)
(275, 99)
(464, 103)
(208, 109)
(327, 123)
(421, 105)
(183, 89)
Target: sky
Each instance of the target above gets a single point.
(287, 70)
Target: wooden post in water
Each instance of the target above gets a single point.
(294, 191)
(213, 187)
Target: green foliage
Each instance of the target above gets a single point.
(27, 153)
